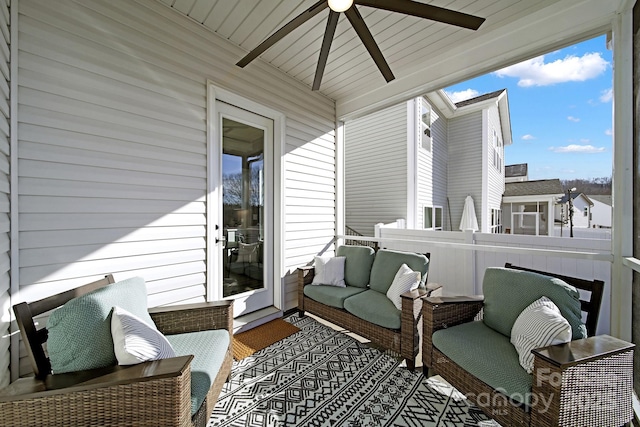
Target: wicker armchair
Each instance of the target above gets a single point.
(154, 393)
(586, 382)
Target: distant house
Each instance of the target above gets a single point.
(601, 211)
(529, 206)
(423, 158)
(581, 205)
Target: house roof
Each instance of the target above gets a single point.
(574, 196)
(443, 103)
(424, 55)
(512, 171)
(480, 98)
(533, 188)
(602, 198)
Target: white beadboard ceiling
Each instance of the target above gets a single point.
(424, 55)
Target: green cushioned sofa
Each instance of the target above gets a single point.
(466, 340)
(362, 306)
(78, 381)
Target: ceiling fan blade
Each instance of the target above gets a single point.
(332, 23)
(426, 11)
(286, 29)
(365, 35)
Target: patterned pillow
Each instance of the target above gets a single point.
(539, 325)
(405, 280)
(329, 271)
(135, 341)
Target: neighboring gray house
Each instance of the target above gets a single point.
(424, 157)
(526, 206)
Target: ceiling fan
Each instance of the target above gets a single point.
(336, 7)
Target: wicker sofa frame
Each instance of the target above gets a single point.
(559, 373)
(405, 341)
(154, 393)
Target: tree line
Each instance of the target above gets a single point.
(592, 186)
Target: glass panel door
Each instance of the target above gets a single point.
(246, 207)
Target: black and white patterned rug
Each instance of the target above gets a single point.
(322, 377)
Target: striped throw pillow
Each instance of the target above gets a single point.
(405, 280)
(539, 325)
(135, 341)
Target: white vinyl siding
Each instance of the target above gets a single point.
(5, 299)
(112, 137)
(432, 171)
(465, 168)
(376, 169)
(495, 181)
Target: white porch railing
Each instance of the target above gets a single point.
(458, 259)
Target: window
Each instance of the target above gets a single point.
(496, 145)
(433, 217)
(496, 221)
(425, 125)
(586, 211)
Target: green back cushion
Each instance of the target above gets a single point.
(357, 266)
(80, 330)
(387, 263)
(507, 292)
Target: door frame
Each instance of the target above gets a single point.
(216, 93)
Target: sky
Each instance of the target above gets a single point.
(561, 110)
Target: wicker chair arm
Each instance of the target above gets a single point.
(597, 371)
(443, 312)
(305, 275)
(144, 394)
(194, 317)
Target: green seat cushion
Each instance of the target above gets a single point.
(357, 266)
(80, 330)
(488, 355)
(331, 295)
(507, 292)
(375, 308)
(209, 349)
(387, 264)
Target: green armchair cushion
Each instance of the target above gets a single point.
(357, 266)
(375, 308)
(388, 262)
(471, 345)
(508, 292)
(80, 331)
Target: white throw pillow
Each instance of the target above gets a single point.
(405, 280)
(539, 325)
(329, 271)
(135, 341)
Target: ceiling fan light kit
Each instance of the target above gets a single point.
(339, 5)
(408, 7)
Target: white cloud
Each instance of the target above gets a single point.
(585, 140)
(573, 119)
(575, 148)
(537, 72)
(608, 132)
(462, 95)
(606, 95)
(528, 137)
